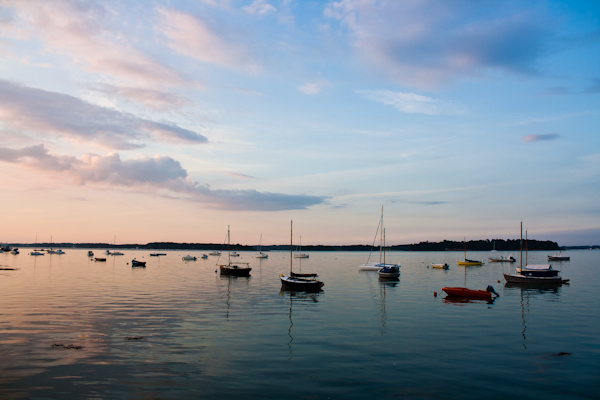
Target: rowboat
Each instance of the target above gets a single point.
(101, 259)
(136, 263)
(189, 258)
(510, 259)
(440, 266)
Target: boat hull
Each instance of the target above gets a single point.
(470, 263)
(135, 263)
(234, 270)
(467, 293)
(300, 284)
(440, 266)
(510, 260)
(517, 278)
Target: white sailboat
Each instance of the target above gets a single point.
(260, 253)
(300, 254)
(373, 265)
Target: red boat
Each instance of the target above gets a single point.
(470, 293)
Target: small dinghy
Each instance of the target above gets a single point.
(101, 259)
(440, 266)
(136, 263)
(188, 258)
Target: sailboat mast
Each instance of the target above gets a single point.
(465, 244)
(228, 247)
(526, 249)
(521, 247)
(381, 235)
(384, 246)
(291, 256)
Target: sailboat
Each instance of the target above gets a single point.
(300, 255)
(536, 274)
(468, 262)
(236, 269)
(35, 252)
(300, 282)
(389, 271)
(374, 265)
(260, 253)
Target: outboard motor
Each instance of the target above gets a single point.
(491, 290)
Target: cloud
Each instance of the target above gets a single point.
(426, 43)
(156, 175)
(45, 112)
(260, 7)
(412, 103)
(85, 32)
(154, 99)
(539, 138)
(239, 176)
(194, 37)
(315, 87)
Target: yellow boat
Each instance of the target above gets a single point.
(468, 262)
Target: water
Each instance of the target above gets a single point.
(177, 329)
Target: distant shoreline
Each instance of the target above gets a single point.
(473, 245)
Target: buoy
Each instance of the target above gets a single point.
(434, 294)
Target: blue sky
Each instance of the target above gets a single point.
(169, 120)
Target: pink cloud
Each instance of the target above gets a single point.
(158, 175)
(539, 138)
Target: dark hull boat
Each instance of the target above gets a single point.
(534, 274)
(237, 269)
(136, 263)
(234, 269)
(296, 281)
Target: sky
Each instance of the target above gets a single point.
(145, 121)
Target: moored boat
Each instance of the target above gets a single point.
(389, 271)
(136, 263)
(297, 281)
(510, 259)
(235, 269)
(466, 262)
(558, 257)
(440, 266)
(534, 274)
(90, 253)
(470, 293)
(100, 259)
(189, 258)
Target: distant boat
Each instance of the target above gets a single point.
(260, 253)
(90, 253)
(300, 254)
(14, 251)
(234, 254)
(299, 282)
(214, 253)
(116, 253)
(558, 257)
(235, 269)
(510, 259)
(494, 247)
(136, 263)
(204, 256)
(440, 266)
(189, 258)
(468, 262)
(101, 259)
(36, 253)
(153, 254)
(59, 251)
(534, 274)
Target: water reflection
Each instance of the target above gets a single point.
(297, 297)
(459, 301)
(531, 290)
(232, 280)
(383, 284)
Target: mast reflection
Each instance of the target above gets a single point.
(297, 297)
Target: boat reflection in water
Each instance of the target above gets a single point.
(303, 299)
(459, 301)
(383, 285)
(232, 280)
(531, 291)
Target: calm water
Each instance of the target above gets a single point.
(199, 335)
